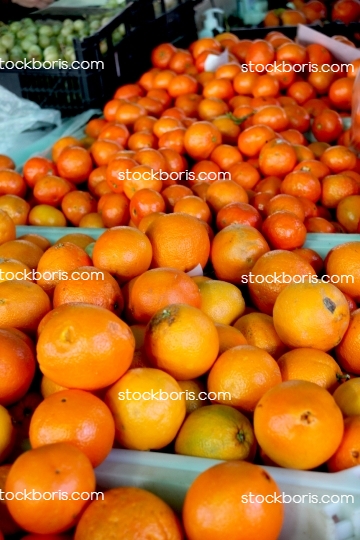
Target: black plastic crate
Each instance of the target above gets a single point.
(74, 90)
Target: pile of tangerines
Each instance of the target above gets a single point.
(314, 11)
(175, 297)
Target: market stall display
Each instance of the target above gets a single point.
(218, 356)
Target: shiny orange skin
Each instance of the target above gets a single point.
(16, 207)
(284, 230)
(36, 167)
(104, 292)
(58, 418)
(216, 491)
(252, 139)
(12, 183)
(116, 355)
(129, 508)
(277, 158)
(310, 413)
(201, 139)
(158, 288)
(169, 232)
(18, 366)
(51, 190)
(302, 184)
(77, 475)
(235, 250)
(327, 126)
(145, 202)
(77, 204)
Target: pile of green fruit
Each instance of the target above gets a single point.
(52, 40)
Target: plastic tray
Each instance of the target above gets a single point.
(70, 126)
(169, 476)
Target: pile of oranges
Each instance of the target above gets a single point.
(314, 11)
(229, 146)
(166, 333)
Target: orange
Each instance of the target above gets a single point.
(61, 144)
(224, 192)
(22, 250)
(277, 158)
(76, 204)
(44, 215)
(129, 512)
(229, 337)
(245, 175)
(242, 375)
(195, 394)
(312, 365)
(347, 397)
(141, 401)
(258, 330)
(71, 354)
(90, 285)
(342, 265)
(51, 190)
(201, 138)
(314, 315)
(286, 203)
(17, 365)
(37, 239)
(347, 352)
(348, 453)
(8, 525)
(23, 304)
(48, 387)
(298, 425)
(336, 187)
(240, 213)
(145, 202)
(221, 301)
(113, 209)
(11, 269)
(79, 239)
(216, 432)
(75, 417)
(37, 167)
(12, 183)
(235, 250)
(212, 509)
(178, 241)
(92, 220)
(158, 288)
(57, 262)
(284, 230)
(348, 213)
(123, 251)
(74, 164)
(7, 434)
(51, 468)
(181, 340)
(7, 228)
(16, 207)
(271, 274)
(194, 206)
(6, 162)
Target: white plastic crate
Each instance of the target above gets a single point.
(169, 477)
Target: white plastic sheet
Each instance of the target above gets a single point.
(18, 115)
